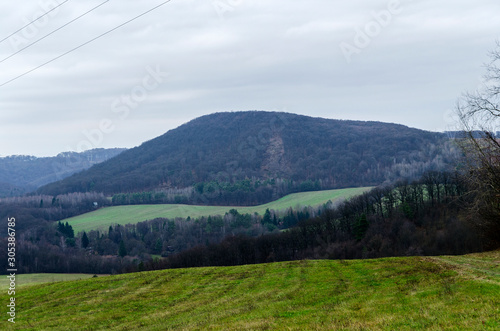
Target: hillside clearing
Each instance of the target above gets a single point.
(103, 218)
(393, 293)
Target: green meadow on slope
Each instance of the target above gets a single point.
(31, 279)
(449, 292)
(103, 218)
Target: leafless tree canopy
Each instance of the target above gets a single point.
(479, 115)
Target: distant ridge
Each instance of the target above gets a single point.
(20, 174)
(286, 151)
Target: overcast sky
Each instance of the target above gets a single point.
(393, 61)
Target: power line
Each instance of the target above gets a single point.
(51, 33)
(59, 5)
(84, 44)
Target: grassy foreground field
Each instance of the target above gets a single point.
(436, 293)
(32, 279)
(103, 218)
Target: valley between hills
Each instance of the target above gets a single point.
(255, 220)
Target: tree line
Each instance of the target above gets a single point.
(419, 218)
(54, 247)
(36, 210)
(423, 217)
(245, 192)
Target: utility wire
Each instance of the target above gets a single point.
(51, 33)
(59, 5)
(85, 43)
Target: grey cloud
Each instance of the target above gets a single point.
(260, 54)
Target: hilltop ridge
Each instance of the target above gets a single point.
(267, 154)
(21, 174)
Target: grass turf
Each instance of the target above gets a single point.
(103, 218)
(32, 279)
(435, 293)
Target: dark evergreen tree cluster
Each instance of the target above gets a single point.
(85, 240)
(65, 229)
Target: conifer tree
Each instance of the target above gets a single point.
(122, 250)
(85, 240)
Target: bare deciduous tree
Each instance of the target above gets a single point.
(479, 116)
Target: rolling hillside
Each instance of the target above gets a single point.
(23, 280)
(103, 218)
(22, 174)
(254, 157)
(437, 293)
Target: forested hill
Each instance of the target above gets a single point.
(278, 152)
(21, 174)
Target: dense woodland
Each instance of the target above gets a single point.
(41, 209)
(423, 217)
(245, 192)
(429, 200)
(419, 207)
(22, 174)
(252, 157)
(420, 218)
